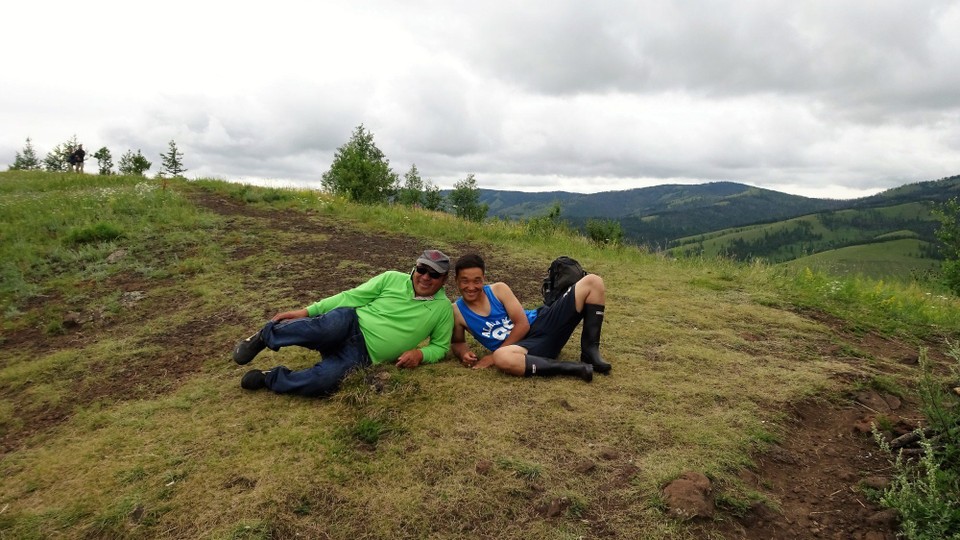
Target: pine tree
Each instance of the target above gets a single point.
(173, 161)
(432, 198)
(104, 161)
(412, 192)
(131, 163)
(360, 171)
(57, 159)
(27, 160)
(948, 214)
(465, 200)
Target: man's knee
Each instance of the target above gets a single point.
(592, 280)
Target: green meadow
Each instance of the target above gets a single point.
(899, 257)
(843, 242)
(121, 414)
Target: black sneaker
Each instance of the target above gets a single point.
(254, 380)
(248, 349)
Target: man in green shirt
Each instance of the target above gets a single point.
(382, 320)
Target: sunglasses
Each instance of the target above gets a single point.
(427, 270)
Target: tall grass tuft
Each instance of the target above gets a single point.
(100, 231)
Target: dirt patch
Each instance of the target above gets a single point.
(817, 480)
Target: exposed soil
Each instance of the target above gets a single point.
(821, 476)
(815, 476)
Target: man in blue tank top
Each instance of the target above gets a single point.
(526, 342)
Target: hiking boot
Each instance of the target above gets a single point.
(254, 380)
(590, 338)
(248, 349)
(545, 367)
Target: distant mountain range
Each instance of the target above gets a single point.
(713, 217)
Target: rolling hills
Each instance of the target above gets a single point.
(745, 222)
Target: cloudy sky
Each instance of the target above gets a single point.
(824, 98)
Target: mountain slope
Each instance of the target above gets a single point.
(726, 218)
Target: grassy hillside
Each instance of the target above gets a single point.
(121, 414)
(735, 220)
(834, 232)
(879, 260)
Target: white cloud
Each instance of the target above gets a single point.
(817, 98)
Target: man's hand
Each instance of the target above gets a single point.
(410, 359)
(469, 359)
(296, 314)
(484, 362)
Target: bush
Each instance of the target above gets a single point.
(951, 275)
(605, 232)
(98, 232)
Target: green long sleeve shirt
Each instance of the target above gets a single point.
(392, 321)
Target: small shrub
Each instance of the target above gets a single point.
(370, 430)
(605, 232)
(520, 468)
(101, 231)
(55, 328)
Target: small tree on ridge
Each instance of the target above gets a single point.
(465, 200)
(173, 161)
(104, 161)
(26, 160)
(135, 164)
(360, 171)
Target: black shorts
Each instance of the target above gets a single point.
(553, 326)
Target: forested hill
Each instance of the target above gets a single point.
(764, 203)
(660, 215)
(933, 191)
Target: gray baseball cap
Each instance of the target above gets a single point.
(435, 259)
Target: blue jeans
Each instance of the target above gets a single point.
(335, 335)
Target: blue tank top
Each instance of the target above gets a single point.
(491, 330)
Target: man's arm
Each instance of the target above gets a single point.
(438, 346)
(358, 296)
(514, 310)
(458, 341)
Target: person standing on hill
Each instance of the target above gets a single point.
(76, 159)
(527, 342)
(382, 320)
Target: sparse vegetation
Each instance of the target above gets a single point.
(926, 491)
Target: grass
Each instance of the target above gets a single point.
(153, 437)
(898, 257)
(856, 242)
